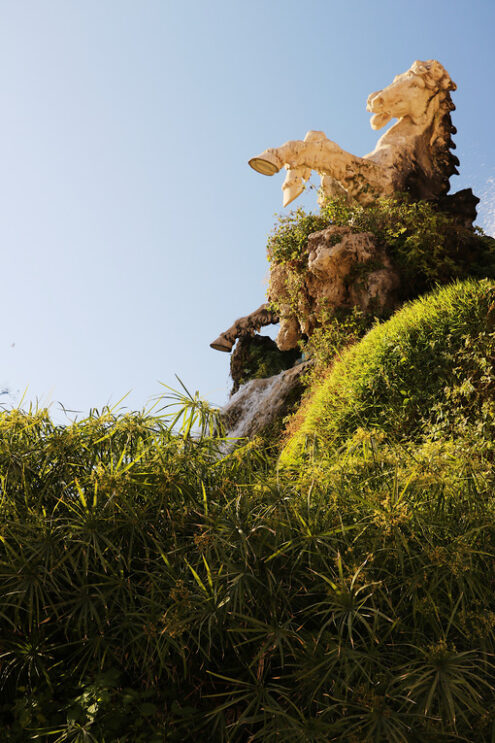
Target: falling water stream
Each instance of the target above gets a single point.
(259, 402)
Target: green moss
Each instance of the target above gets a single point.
(426, 371)
(258, 357)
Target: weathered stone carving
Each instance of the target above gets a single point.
(244, 326)
(413, 155)
(345, 269)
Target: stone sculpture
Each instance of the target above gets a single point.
(345, 269)
(245, 326)
(332, 277)
(412, 156)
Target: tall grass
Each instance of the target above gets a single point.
(154, 591)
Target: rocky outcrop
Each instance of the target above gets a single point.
(344, 269)
(256, 357)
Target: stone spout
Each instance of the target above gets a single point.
(248, 325)
(268, 163)
(222, 344)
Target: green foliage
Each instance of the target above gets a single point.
(191, 414)
(428, 371)
(287, 243)
(426, 245)
(155, 590)
(258, 357)
(338, 330)
(89, 711)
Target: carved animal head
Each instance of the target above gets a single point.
(422, 94)
(410, 94)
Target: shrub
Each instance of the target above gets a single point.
(426, 244)
(287, 242)
(426, 371)
(153, 589)
(339, 330)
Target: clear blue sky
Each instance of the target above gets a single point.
(132, 229)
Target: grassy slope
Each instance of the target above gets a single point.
(429, 366)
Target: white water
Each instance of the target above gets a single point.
(250, 403)
(259, 402)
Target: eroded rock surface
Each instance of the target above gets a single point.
(344, 270)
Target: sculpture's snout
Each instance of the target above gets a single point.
(377, 105)
(268, 163)
(375, 102)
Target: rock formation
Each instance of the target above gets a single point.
(344, 270)
(340, 269)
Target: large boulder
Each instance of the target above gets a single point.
(344, 270)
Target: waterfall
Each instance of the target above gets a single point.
(259, 402)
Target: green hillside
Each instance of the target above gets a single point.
(425, 373)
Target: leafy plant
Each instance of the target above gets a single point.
(288, 240)
(426, 244)
(425, 372)
(154, 590)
